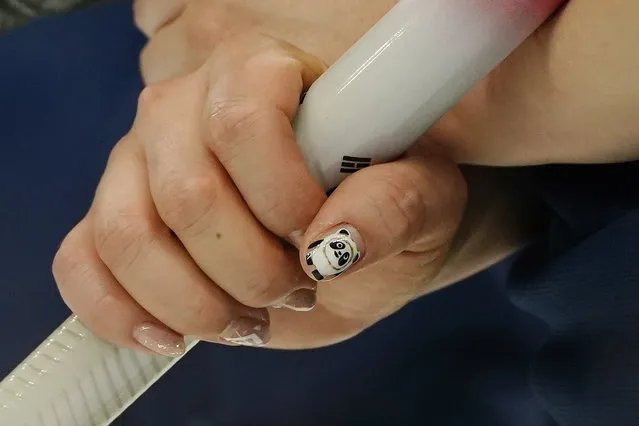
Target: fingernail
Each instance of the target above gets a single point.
(247, 332)
(159, 340)
(302, 300)
(334, 253)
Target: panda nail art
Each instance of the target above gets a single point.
(334, 254)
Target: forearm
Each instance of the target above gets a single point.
(14, 13)
(501, 217)
(569, 94)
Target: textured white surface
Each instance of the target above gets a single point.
(75, 379)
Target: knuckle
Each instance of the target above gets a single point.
(275, 63)
(105, 315)
(120, 236)
(152, 97)
(183, 201)
(120, 150)
(401, 207)
(150, 17)
(67, 264)
(231, 122)
(140, 16)
(148, 65)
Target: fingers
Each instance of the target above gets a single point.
(184, 226)
(414, 204)
(196, 199)
(170, 42)
(255, 92)
(250, 108)
(150, 263)
(95, 296)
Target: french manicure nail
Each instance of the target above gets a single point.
(246, 332)
(159, 340)
(302, 300)
(331, 255)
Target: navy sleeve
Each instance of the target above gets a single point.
(582, 280)
(14, 13)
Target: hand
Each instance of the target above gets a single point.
(500, 216)
(184, 236)
(399, 221)
(569, 94)
(183, 33)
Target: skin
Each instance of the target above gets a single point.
(569, 94)
(183, 33)
(187, 226)
(188, 222)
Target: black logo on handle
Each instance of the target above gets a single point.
(353, 164)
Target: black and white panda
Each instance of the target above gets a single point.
(330, 256)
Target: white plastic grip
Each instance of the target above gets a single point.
(368, 108)
(403, 75)
(75, 379)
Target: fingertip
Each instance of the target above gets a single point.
(302, 300)
(159, 339)
(386, 210)
(91, 292)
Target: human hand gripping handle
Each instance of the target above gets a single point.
(379, 224)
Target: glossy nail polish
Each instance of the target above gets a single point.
(159, 340)
(333, 254)
(302, 300)
(246, 332)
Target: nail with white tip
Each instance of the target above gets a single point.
(246, 331)
(302, 300)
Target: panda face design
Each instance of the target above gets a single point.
(332, 255)
(339, 253)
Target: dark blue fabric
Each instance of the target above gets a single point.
(583, 281)
(461, 357)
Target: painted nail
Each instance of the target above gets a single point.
(246, 332)
(159, 340)
(333, 254)
(302, 300)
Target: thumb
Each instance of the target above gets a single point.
(414, 204)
